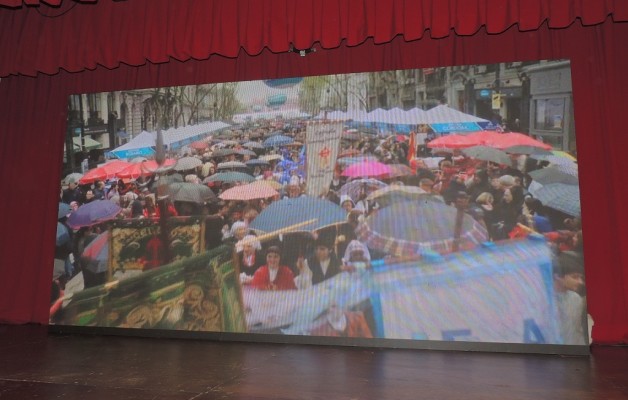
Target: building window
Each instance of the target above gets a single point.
(93, 104)
(549, 114)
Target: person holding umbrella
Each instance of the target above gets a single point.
(273, 276)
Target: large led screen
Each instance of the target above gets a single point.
(437, 204)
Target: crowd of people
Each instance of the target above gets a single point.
(494, 195)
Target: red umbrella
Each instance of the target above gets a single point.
(199, 145)
(453, 142)
(368, 168)
(144, 168)
(486, 138)
(107, 171)
(510, 139)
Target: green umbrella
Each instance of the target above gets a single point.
(230, 176)
(190, 192)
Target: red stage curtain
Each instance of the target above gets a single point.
(32, 123)
(134, 32)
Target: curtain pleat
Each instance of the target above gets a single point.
(76, 36)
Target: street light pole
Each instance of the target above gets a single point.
(162, 192)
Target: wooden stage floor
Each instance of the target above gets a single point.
(35, 364)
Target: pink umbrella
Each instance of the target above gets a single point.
(248, 192)
(368, 168)
(144, 168)
(107, 171)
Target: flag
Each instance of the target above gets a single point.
(412, 146)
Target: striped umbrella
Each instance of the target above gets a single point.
(411, 227)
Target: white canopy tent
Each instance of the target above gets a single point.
(444, 114)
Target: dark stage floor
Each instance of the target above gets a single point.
(35, 364)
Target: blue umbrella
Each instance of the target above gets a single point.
(64, 210)
(278, 140)
(253, 145)
(286, 212)
(63, 236)
(95, 257)
(230, 176)
(93, 213)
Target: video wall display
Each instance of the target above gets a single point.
(435, 204)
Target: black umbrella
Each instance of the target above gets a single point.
(190, 192)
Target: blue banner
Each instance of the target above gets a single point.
(456, 127)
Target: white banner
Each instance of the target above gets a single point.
(322, 146)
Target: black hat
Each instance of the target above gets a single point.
(273, 249)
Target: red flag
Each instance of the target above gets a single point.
(412, 146)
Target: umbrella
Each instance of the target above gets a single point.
(524, 149)
(139, 160)
(275, 133)
(292, 211)
(93, 213)
(270, 157)
(395, 193)
(561, 197)
(143, 168)
(248, 192)
(349, 153)
(553, 159)
(453, 142)
(230, 176)
(351, 135)
(106, 171)
(367, 168)
(278, 140)
(223, 152)
(397, 170)
(554, 174)
(256, 162)
(187, 163)
(166, 180)
(74, 177)
(411, 227)
(564, 154)
(199, 145)
(245, 152)
(268, 182)
(354, 188)
(486, 153)
(510, 139)
(231, 164)
(253, 145)
(346, 161)
(63, 236)
(190, 192)
(95, 257)
(64, 210)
